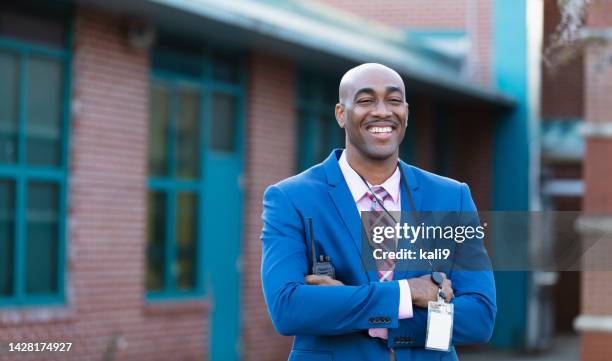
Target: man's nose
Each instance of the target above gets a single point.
(380, 110)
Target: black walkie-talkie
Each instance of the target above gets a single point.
(321, 266)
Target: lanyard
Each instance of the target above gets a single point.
(436, 277)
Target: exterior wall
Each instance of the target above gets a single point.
(562, 99)
(596, 286)
(598, 14)
(271, 147)
(471, 16)
(106, 313)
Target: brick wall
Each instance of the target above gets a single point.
(598, 14)
(271, 139)
(107, 222)
(434, 15)
(596, 285)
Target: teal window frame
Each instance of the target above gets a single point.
(170, 185)
(21, 174)
(317, 96)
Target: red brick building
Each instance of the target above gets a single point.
(595, 320)
(137, 138)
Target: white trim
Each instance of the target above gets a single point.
(597, 129)
(588, 33)
(593, 323)
(534, 14)
(563, 187)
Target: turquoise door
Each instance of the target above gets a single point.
(222, 219)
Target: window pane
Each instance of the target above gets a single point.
(223, 126)
(340, 139)
(306, 88)
(334, 135)
(188, 133)
(45, 30)
(303, 147)
(156, 232)
(9, 95)
(44, 111)
(225, 69)
(323, 142)
(7, 224)
(42, 247)
(175, 56)
(159, 106)
(186, 240)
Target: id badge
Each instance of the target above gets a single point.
(439, 325)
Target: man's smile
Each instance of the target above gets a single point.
(381, 130)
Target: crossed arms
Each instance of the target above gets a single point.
(298, 308)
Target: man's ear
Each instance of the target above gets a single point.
(407, 114)
(340, 115)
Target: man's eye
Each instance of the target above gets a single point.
(395, 101)
(365, 101)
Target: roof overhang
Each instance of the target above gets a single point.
(253, 24)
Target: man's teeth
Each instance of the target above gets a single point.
(380, 130)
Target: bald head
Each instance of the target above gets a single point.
(374, 114)
(362, 76)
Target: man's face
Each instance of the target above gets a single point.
(374, 113)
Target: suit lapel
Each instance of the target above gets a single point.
(341, 197)
(408, 216)
(413, 185)
(346, 207)
(345, 204)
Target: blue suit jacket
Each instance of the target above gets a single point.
(331, 322)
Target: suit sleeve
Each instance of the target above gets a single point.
(474, 302)
(296, 308)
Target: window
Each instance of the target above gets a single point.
(34, 98)
(318, 131)
(174, 168)
(194, 107)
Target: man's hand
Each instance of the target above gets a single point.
(318, 280)
(424, 290)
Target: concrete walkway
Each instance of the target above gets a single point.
(566, 348)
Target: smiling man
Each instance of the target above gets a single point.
(363, 315)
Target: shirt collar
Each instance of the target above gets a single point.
(358, 188)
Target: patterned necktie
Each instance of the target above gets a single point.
(378, 217)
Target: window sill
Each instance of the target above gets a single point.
(36, 315)
(173, 307)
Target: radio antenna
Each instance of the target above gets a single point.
(312, 240)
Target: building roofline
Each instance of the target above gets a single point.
(376, 43)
